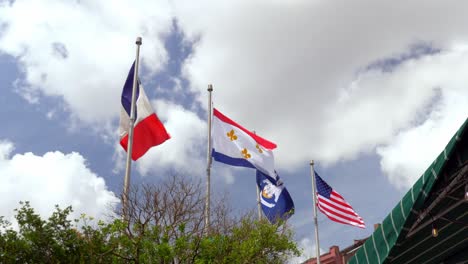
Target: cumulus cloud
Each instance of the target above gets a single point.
(298, 72)
(308, 75)
(412, 151)
(414, 91)
(81, 51)
(54, 178)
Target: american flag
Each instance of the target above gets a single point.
(334, 206)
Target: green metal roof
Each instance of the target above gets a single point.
(437, 197)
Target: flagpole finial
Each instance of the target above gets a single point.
(311, 162)
(210, 87)
(138, 41)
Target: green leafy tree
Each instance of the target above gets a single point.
(250, 241)
(165, 225)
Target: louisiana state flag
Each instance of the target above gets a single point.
(148, 130)
(276, 202)
(234, 145)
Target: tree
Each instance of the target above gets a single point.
(165, 225)
(249, 241)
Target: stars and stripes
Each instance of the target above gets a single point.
(334, 206)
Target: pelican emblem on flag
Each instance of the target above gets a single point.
(245, 153)
(266, 194)
(231, 135)
(270, 194)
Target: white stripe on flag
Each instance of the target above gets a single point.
(344, 214)
(337, 214)
(342, 203)
(341, 220)
(331, 207)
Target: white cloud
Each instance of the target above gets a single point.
(413, 150)
(81, 51)
(308, 248)
(54, 178)
(295, 71)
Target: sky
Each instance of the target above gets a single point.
(371, 91)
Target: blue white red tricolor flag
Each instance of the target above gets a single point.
(276, 202)
(148, 130)
(234, 145)
(334, 206)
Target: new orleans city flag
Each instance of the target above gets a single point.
(234, 145)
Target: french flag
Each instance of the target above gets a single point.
(234, 145)
(148, 130)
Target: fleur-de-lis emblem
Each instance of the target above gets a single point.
(231, 135)
(246, 154)
(259, 149)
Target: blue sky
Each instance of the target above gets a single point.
(368, 91)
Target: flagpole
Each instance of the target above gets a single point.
(208, 167)
(259, 207)
(312, 174)
(130, 133)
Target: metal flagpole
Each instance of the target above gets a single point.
(312, 174)
(208, 167)
(259, 206)
(130, 133)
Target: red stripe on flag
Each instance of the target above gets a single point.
(338, 211)
(339, 201)
(344, 214)
(148, 133)
(342, 218)
(347, 210)
(264, 142)
(358, 224)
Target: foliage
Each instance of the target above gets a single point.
(251, 241)
(165, 225)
